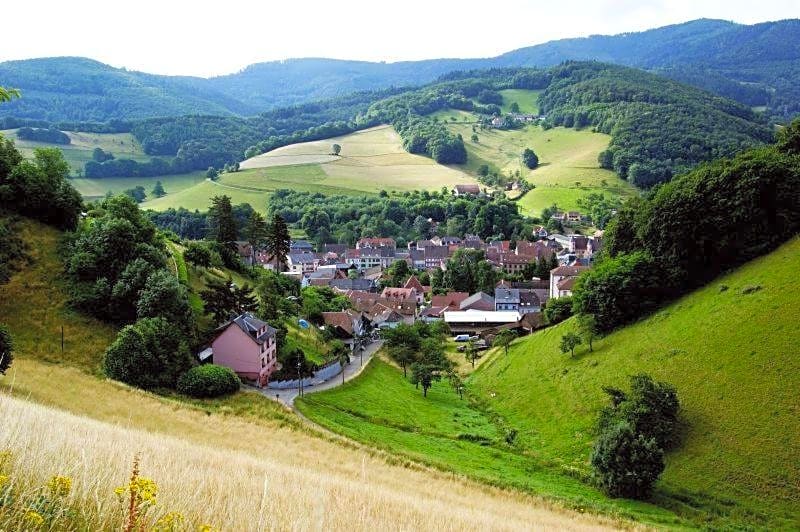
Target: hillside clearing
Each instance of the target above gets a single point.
(730, 352)
(93, 189)
(79, 151)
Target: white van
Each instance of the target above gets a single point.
(461, 338)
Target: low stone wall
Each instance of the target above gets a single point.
(322, 374)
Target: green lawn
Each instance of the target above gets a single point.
(382, 409)
(733, 358)
(92, 189)
(527, 100)
(309, 341)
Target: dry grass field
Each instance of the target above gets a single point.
(226, 472)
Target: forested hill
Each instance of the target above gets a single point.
(77, 89)
(758, 65)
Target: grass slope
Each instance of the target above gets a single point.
(92, 189)
(79, 152)
(732, 356)
(382, 409)
(527, 100)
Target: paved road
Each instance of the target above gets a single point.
(351, 371)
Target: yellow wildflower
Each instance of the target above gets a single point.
(143, 489)
(207, 528)
(33, 518)
(169, 522)
(3, 481)
(59, 486)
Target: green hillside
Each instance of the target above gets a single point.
(731, 351)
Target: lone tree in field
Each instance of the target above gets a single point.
(627, 464)
(278, 242)
(212, 173)
(6, 346)
(158, 190)
(403, 355)
(474, 138)
(588, 327)
(514, 107)
(569, 342)
(530, 159)
(504, 339)
(336, 149)
(431, 365)
(471, 352)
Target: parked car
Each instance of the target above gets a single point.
(462, 338)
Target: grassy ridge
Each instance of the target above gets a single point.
(731, 354)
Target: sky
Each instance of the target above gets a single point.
(204, 38)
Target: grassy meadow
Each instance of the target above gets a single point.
(568, 168)
(79, 151)
(92, 189)
(207, 457)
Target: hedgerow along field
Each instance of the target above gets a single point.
(568, 167)
(729, 349)
(206, 456)
(79, 151)
(371, 160)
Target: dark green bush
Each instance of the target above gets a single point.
(557, 310)
(208, 380)
(627, 464)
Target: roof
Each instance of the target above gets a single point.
(352, 284)
(300, 244)
(399, 293)
(450, 298)
(506, 295)
(529, 298)
(437, 252)
(413, 282)
(567, 283)
(481, 316)
(432, 312)
(343, 320)
(467, 189)
(251, 326)
(568, 271)
(301, 257)
(376, 241)
(478, 297)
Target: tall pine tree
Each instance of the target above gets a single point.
(278, 242)
(221, 223)
(256, 230)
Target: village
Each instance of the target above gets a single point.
(248, 345)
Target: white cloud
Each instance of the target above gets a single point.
(210, 38)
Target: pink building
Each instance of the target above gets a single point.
(248, 346)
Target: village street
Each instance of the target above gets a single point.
(351, 371)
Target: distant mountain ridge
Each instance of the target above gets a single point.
(758, 65)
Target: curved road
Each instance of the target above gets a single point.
(351, 371)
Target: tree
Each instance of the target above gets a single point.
(569, 342)
(404, 356)
(474, 138)
(164, 297)
(212, 173)
(587, 326)
(557, 310)
(278, 242)
(530, 159)
(6, 349)
(221, 223)
(255, 231)
(627, 464)
(158, 190)
(223, 299)
(137, 193)
(514, 107)
(151, 353)
(471, 352)
(431, 364)
(198, 254)
(504, 339)
(336, 149)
